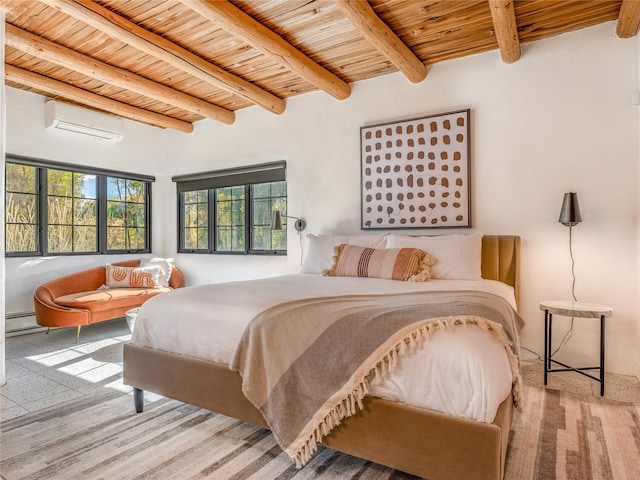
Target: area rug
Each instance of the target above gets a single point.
(559, 435)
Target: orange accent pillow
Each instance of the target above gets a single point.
(132, 277)
(407, 264)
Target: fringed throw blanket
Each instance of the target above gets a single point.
(307, 364)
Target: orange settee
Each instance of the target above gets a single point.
(80, 298)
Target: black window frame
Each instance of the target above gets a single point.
(42, 167)
(245, 177)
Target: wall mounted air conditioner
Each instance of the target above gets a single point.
(62, 116)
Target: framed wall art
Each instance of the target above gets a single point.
(415, 173)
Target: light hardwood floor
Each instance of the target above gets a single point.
(48, 369)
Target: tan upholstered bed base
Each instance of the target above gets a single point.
(414, 440)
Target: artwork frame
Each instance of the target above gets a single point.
(416, 173)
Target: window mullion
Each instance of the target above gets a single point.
(181, 222)
(43, 212)
(213, 215)
(147, 219)
(101, 195)
(248, 219)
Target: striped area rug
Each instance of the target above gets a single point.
(559, 436)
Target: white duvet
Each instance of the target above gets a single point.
(463, 372)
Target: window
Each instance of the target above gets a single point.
(266, 198)
(233, 214)
(72, 218)
(57, 209)
(195, 220)
(21, 209)
(230, 220)
(126, 214)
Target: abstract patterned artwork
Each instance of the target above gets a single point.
(415, 173)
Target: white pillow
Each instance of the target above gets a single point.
(165, 265)
(319, 253)
(459, 257)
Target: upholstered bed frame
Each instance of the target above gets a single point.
(414, 440)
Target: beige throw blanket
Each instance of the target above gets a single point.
(307, 364)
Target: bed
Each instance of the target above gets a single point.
(414, 439)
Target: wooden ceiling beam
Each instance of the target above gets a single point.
(55, 87)
(504, 24)
(376, 32)
(239, 24)
(159, 47)
(52, 52)
(628, 19)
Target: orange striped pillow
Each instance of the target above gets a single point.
(408, 264)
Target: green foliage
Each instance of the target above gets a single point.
(20, 178)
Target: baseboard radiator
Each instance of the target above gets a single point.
(20, 323)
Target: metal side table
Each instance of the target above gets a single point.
(574, 310)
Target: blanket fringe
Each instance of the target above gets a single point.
(350, 404)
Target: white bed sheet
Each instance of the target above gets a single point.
(463, 372)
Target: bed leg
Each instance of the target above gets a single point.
(138, 399)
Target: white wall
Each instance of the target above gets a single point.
(560, 119)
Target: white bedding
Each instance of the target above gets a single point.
(463, 372)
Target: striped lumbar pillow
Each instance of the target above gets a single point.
(409, 264)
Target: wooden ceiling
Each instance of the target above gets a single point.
(170, 63)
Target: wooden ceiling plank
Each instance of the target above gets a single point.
(125, 31)
(63, 56)
(504, 23)
(376, 32)
(628, 19)
(239, 24)
(55, 87)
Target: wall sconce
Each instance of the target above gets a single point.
(570, 211)
(276, 222)
(570, 216)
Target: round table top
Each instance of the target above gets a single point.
(570, 308)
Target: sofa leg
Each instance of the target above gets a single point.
(78, 335)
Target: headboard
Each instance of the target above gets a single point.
(500, 260)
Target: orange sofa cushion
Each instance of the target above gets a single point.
(97, 300)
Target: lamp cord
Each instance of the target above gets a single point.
(573, 294)
(573, 273)
(301, 249)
